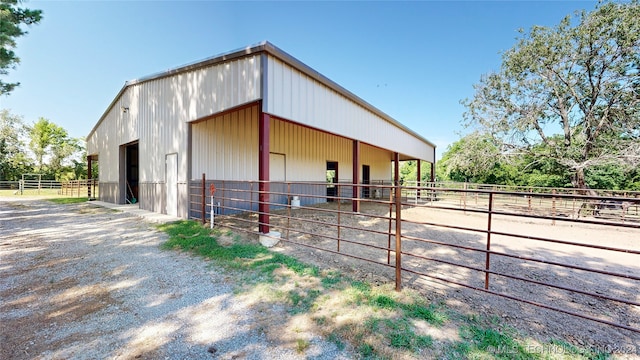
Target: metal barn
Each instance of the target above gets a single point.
(252, 114)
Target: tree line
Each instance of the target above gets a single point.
(42, 147)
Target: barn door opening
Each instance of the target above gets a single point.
(129, 177)
(332, 179)
(366, 192)
(171, 182)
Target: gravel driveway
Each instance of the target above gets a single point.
(85, 282)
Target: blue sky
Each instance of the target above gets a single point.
(413, 60)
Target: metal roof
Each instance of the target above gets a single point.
(269, 48)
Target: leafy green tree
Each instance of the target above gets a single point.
(40, 134)
(62, 148)
(476, 158)
(13, 161)
(539, 168)
(54, 142)
(12, 18)
(581, 80)
(409, 171)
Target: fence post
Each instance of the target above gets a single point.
(224, 195)
(464, 197)
(553, 207)
(339, 215)
(398, 238)
(290, 197)
(488, 260)
(398, 199)
(389, 232)
(204, 198)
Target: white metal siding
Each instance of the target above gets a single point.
(296, 96)
(158, 112)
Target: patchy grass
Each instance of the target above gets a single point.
(68, 200)
(488, 340)
(375, 322)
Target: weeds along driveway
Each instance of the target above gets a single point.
(85, 282)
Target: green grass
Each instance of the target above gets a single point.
(64, 201)
(302, 345)
(191, 236)
(486, 342)
(375, 321)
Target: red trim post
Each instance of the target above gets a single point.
(263, 172)
(356, 176)
(89, 180)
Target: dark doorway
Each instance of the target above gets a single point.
(131, 174)
(332, 179)
(366, 193)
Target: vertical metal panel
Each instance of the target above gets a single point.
(379, 161)
(307, 151)
(222, 151)
(328, 110)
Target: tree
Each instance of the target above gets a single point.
(13, 160)
(40, 135)
(11, 19)
(50, 139)
(580, 81)
(475, 158)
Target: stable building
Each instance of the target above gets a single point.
(254, 114)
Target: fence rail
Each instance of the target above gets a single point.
(558, 245)
(87, 187)
(72, 188)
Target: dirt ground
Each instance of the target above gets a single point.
(539, 323)
(85, 282)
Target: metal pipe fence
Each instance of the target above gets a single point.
(71, 188)
(561, 202)
(561, 247)
(31, 186)
(77, 188)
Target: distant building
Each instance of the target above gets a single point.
(252, 114)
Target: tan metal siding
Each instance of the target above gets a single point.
(307, 151)
(298, 97)
(379, 161)
(226, 146)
